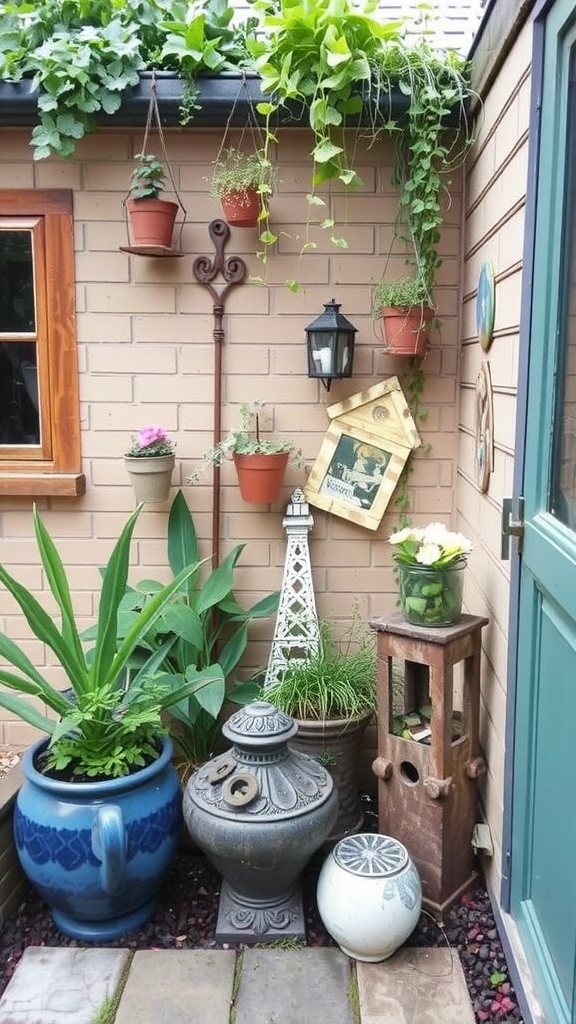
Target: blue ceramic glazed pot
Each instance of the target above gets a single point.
(98, 852)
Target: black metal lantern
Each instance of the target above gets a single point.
(330, 342)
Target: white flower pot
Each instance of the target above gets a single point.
(369, 895)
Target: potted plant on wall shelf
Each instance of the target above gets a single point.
(97, 821)
(150, 461)
(332, 696)
(151, 219)
(260, 461)
(406, 314)
(244, 183)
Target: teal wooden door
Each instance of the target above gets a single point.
(543, 864)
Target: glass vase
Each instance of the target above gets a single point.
(432, 596)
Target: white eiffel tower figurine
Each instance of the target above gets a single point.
(297, 632)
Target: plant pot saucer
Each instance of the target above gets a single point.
(151, 250)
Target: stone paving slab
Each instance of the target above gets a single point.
(61, 985)
(178, 986)
(307, 986)
(416, 986)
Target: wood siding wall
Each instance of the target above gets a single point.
(495, 192)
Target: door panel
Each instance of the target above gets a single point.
(543, 876)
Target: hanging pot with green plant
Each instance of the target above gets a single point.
(406, 316)
(244, 183)
(151, 220)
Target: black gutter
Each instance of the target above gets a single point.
(217, 96)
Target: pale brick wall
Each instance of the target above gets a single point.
(494, 226)
(146, 356)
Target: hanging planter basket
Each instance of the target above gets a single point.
(242, 208)
(261, 476)
(406, 331)
(150, 477)
(150, 221)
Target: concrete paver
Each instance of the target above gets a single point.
(415, 986)
(178, 986)
(61, 985)
(314, 985)
(294, 986)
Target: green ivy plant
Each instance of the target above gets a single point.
(343, 65)
(83, 56)
(80, 58)
(427, 151)
(205, 41)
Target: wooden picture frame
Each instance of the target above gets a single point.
(363, 453)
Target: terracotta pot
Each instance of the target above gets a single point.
(151, 221)
(261, 476)
(242, 208)
(406, 331)
(150, 477)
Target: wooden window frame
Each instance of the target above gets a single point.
(59, 471)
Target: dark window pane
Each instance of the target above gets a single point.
(19, 419)
(16, 282)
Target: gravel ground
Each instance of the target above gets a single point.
(186, 915)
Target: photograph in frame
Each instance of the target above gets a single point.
(355, 474)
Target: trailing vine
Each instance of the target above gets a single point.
(413, 386)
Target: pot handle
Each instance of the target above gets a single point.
(109, 846)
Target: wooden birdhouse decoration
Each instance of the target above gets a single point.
(366, 447)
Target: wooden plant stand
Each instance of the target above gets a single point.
(427, 785)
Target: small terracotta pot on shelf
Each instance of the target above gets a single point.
(151, 221)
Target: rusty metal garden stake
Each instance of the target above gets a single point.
(206, 270)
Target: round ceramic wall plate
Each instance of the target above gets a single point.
(485, 305)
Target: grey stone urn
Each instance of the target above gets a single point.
(259, 812)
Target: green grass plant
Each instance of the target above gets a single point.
(339, 681)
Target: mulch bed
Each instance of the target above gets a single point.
(186, 914)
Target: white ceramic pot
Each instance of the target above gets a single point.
(369, 895)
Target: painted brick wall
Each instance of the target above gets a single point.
(146, 356)
(494, 226)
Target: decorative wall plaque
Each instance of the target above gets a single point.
(484, 428)
(368, 442)
(485, 305)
